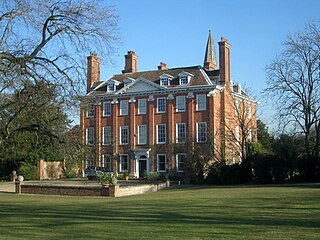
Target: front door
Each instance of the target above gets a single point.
(142, 167)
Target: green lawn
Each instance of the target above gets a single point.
(187, 213)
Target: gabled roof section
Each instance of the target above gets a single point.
(140, 85)
(164, 75)
(184, 73)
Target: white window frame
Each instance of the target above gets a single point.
(142, 135)
(236, 107)
(104, 112)
(178, 135)
(111, 87)
(164, 102)
(177, 161)
(198, 124)
(124, 107)
(121, 169)
(142, 106)
(166, 80)
(105, 162)
(123, 128)
(106, 135)
(165, 133)
(180, 103)
(165, 163)
(90, 136)
(184, 78)
(201, 102)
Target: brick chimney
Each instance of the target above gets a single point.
(162, 66)
(224, 61)
(93, 71)
(131, 62)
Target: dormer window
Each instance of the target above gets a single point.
(111, 88)
(112, 85)
(165, 80)
(184, 78)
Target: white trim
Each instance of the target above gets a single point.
(165, 104)
(103, 109)
(184, 103)
(140, 79)
(120, 137)
(177, 132)
(146, 134)
(165, 133)
(197, 132)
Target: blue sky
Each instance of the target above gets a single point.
(176, 31)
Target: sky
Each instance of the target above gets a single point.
(176, 32)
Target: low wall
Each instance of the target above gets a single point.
(64, 190)
(112, 190)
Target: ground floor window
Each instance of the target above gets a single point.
(180, 161)
(106, 162)
(161, 162)
(124, 163)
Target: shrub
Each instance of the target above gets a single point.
(28, 171)
(154, 176)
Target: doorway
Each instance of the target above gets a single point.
(142, 167)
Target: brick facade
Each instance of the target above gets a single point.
(180, 109)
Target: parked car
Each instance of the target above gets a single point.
(94, 172)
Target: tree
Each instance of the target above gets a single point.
(263, 136)
(42, 46)
(294, 81)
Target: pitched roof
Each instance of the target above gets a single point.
(210, 55)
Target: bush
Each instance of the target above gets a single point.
(230, 174)
(28, 171)
(154, 176)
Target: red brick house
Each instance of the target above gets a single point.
(153, 120)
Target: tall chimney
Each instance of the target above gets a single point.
(131, 62)
(224, 61)
(93, 71)
(162, 66)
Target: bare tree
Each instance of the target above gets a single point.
(294, 83)
(241, 126)
(47, 41)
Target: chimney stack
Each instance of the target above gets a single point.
(93, 70)
(224, 61)
(131, 62)
(162, 66)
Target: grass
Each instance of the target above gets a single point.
(187, 213)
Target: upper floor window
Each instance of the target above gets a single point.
(142, 106)
(180, 132)
(90, 111)
(106, 109)
(124, 107)
(201, 132)
(201, 102)
(161, 133)
(161, 105)
(142, 134)
(124, 135)
(180, 103)
(236, 107)
(106, 137)
(90, 136)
